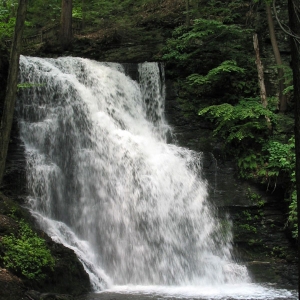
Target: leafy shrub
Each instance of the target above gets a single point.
(293, 216)
(246, 120)
(26, 254)
(213, 64)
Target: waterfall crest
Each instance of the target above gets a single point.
(103, 181)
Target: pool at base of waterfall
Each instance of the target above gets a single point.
(225, 292)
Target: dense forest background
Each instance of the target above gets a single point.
(230, 63)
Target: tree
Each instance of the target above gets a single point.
(260, 71)
(187, 11)
(282, 96)
(294, 18)
(11, 88)
(66, 35)
(83, 8)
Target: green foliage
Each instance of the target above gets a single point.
(26, 254)
(276, 161)
(8, 9)
(249, 164)
(248, 228)
(281, 157)
(188, 42)
(256, 198)
(255, 242)
(213, 59)
(42, 14)
(101, 11)
(225, 11)
(260, 156)
(288, 77)
(293, 216)
(7, 28)
(7, 18)
(77, 12)
(246, 120)
(247, 215)
(279, 251)
(215, 74)
(27, 85)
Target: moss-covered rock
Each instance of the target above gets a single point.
(67, 275)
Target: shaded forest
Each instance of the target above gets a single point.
(233, 65)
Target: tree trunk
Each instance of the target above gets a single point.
(66, 34)
(260, 71)
(83, 13)
(281, 86)
(11, 88)
(261, 81)
(187, 11)
(294, 18)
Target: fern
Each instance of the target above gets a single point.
(238, 122)
(215, 74)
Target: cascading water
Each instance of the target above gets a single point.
(104, 182)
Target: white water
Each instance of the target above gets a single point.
(104, 182)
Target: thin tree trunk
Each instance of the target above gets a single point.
(294, 21)
(261, 81)
(11, 88)
(187, 10)
(83, 13)
(281, 86)
(66, 34)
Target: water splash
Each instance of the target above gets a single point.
(103, 181)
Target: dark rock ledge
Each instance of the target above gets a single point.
(34, 295)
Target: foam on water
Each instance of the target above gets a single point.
(229, 291)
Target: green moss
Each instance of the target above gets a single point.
(26, 253)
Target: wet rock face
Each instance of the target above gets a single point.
(68, 276)
(261, 241)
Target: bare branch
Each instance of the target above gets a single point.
(288, 31)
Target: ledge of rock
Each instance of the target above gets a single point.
(67, 277)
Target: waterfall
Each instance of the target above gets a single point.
(103, 181)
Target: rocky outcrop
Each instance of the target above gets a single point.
(11, 287)
(34, 295)
(68, 275)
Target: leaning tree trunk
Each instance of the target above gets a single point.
(66, 34)
(11, 88)
(294, 20)
(282, 97)
(261, 81)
